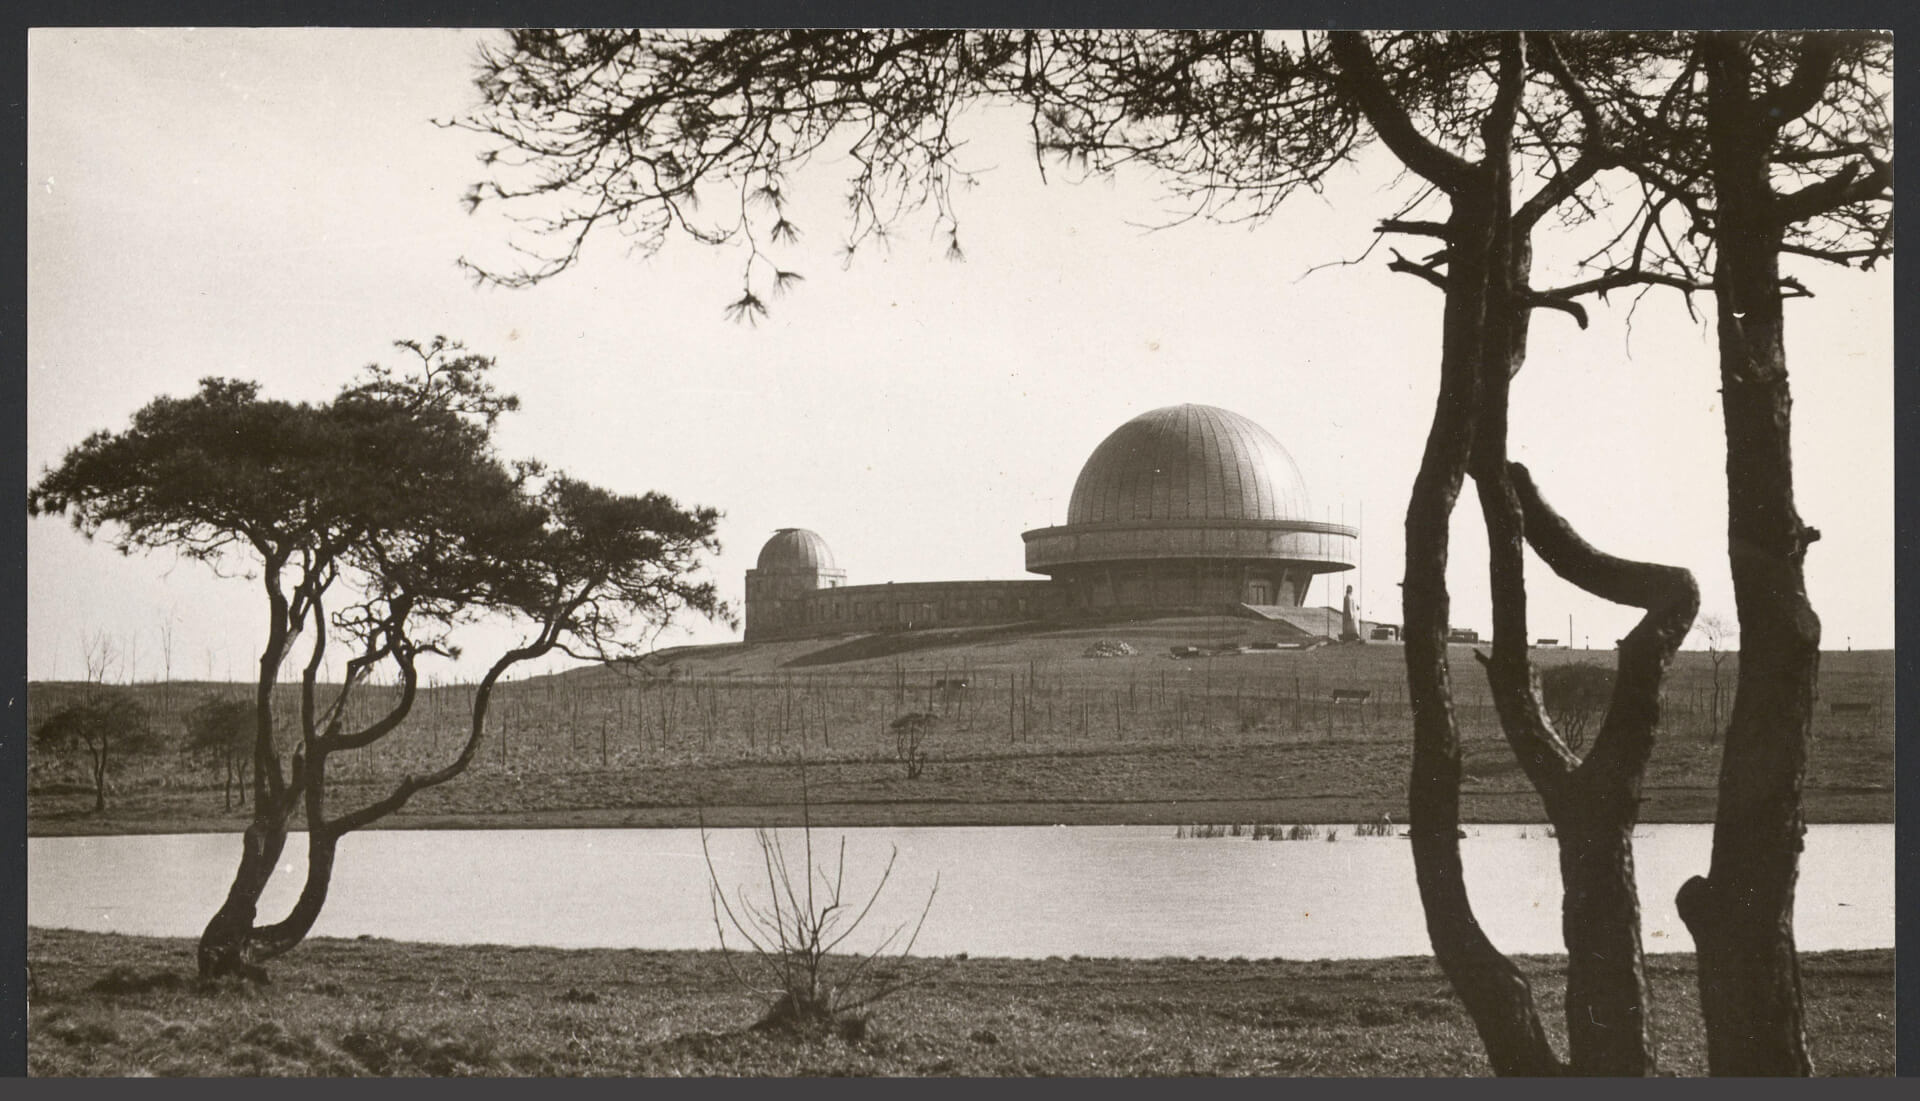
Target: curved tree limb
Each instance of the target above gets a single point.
(1595, 152)
(1844, 188)
(1593, 802)
(1671, 599)
(1360, 72)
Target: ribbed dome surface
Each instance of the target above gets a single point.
(1188, 462)
(795, 548)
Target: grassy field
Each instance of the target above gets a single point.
(116, 1005)
(1042, 733)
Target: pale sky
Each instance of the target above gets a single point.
(278, 205)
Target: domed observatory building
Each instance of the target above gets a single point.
(1189, 507)
(793, 565)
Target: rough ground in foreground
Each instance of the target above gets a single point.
(117, 1005)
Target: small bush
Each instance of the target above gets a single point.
(908, 732)
(1574, 696)
(793, 931)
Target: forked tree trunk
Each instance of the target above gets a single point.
(1741, 913)
(234, 942)
(1497, 996)
(1592, 803)
(224, 948)
(224, 945)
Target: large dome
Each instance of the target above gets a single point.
(1188, 462)
(795, 549)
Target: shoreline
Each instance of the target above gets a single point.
(1660, 807)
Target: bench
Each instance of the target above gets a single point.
(1350, 695)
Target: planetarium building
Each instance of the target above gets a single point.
(1186, 509)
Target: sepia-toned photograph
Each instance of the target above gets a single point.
(941, 552)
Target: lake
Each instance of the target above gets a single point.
(1127, 891)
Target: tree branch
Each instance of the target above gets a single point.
(1414, 226)
(1430, 273)
(1667, 593)
(1595, 153)
(1614, 280)
(1844, 188)
(1360, 72)
(1802, 91)
(1535, 300)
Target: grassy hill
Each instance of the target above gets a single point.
(1042, 732)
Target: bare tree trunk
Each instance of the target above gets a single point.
(1496, 994)
(263, 943)
(323, 840)
(1594, 802)
(224, 943)
(1741, 913)
(224, 948)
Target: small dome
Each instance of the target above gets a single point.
(796, 549)
(1188, 462)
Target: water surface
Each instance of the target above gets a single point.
(1128, 891)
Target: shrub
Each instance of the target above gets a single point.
(1574, 695)
(793, 931)
(908, 732)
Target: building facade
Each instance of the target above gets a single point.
(1189, 508)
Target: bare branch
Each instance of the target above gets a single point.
(1428, 272)
(1363, 79)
